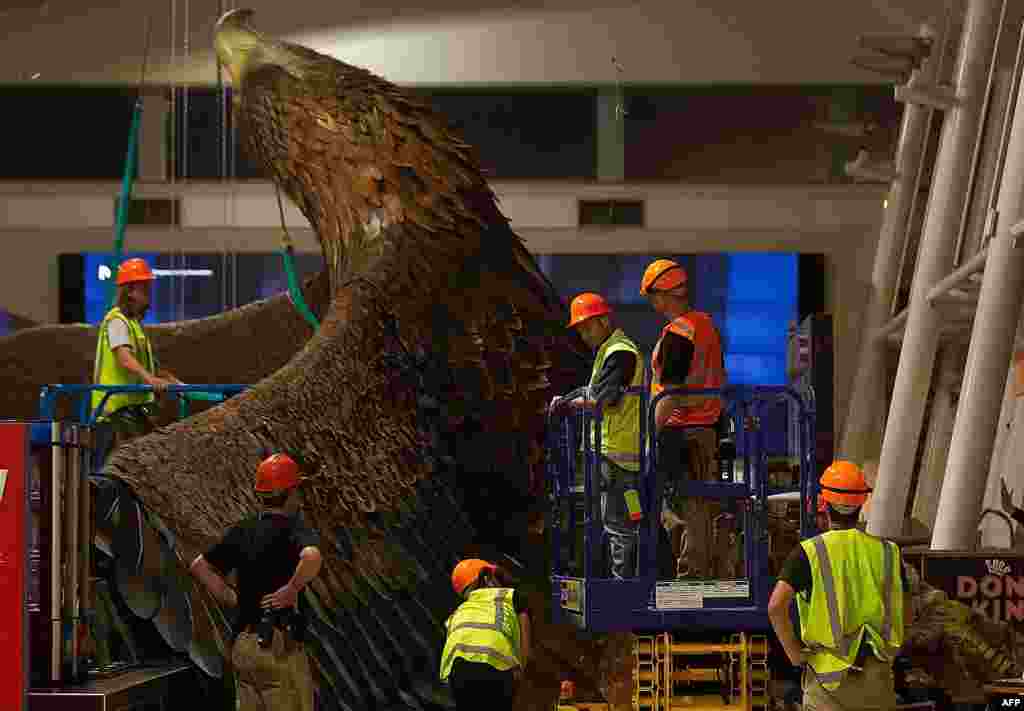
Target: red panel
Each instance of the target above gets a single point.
(14, 444)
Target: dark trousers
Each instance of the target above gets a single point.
(612, 515)
(481, 687)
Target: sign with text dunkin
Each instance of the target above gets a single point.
(987, 582)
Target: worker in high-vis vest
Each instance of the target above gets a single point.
(124, 354)
(618, 365)
(688, 355)
(853, 599)
(488, 638)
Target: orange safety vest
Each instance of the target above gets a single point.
(707, 369)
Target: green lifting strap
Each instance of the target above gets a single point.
(128, 179)
(122, 203)
(288, 256)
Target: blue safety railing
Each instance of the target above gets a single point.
(87, 415)
(604, 604)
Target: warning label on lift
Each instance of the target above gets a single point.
(690, 594)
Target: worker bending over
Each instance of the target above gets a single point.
(488, 642)
(852, 595)
(688, 355)
(124, 355)
(275, 555)
(617, 365)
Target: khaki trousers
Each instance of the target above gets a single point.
(869, 690)
(695, 452)
(273, 679)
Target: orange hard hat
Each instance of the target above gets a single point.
(843, 484)
(132, 270)
(467, 571)
(276, 474)
(668, 275)
(587, 305)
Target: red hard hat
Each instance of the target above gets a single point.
(668, 275)
(843, 484)
(276, 474)
(587, 305)
(133, 270)
(467, 571)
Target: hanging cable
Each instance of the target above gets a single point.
(288, 256)
(129, 176)
(620, 103)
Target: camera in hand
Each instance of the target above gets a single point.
(284, 620)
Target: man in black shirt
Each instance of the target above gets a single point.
(275, 555)
(617, 366)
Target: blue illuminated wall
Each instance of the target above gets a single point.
(760, 304)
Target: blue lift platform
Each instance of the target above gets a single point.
(720, 625)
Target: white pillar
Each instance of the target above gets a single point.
(995, 326)
(935, 260)
(994, 533)
(867, 395)
(949, 374)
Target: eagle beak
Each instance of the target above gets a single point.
(234, 41)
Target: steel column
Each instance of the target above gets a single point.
(935, 260)
(999, 303)
(867, 396)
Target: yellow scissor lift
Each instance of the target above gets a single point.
(692, 651)
(662, 673)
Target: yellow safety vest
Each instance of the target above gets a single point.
(620, 424)
(485, 629)
(856, 595)
(107, 371)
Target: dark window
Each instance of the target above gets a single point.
(529, 134)
(755, 134)
(65, 133)
(206, 142)
(618, 213)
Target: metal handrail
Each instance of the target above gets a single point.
(50, 393)
(736, 397)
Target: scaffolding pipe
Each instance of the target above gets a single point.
(894, 325)
(866, 396)
(961, 274)
(72, 488)
(999, 304)
(920, 342)
(56, 550)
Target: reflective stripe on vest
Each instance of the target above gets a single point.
(869, 577)
(107, 371)
(483, 629)
(706, 368)
(620, 423)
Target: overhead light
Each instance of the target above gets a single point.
(184, 272)
(885, 203)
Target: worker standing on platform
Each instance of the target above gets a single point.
(617, 365)
(688, 355)
(124, 355)
(488, 638)
(276, 555)
(852, 595)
